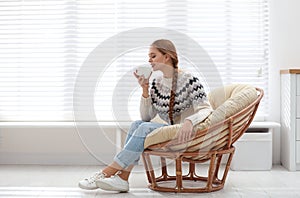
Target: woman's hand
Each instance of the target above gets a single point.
(185, 133)
(144, 83)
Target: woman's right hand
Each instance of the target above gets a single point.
(144, 83)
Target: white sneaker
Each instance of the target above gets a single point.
(113, 183)
(90, 183)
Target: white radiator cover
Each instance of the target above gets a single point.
(253, 151)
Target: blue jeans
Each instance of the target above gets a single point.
(134, 144)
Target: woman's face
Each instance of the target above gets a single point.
(156, 59)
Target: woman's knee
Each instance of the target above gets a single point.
(134, 126)
(144, 129)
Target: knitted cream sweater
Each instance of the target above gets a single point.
(190, 100)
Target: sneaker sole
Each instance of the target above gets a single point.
(108, 187)
(87, 188)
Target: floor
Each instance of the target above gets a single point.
(61, 181)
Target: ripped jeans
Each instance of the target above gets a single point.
(134, 144)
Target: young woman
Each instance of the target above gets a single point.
(176, 96)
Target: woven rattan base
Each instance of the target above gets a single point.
(191, 182)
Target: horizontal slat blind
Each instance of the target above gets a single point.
(236, 35)
(43, 45)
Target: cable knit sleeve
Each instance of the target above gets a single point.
(200, 103)
(146, 109)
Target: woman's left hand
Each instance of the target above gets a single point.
(185, 133)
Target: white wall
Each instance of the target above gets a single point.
(56, 144)
(285, 31)
(284, 46)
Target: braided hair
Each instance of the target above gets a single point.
(167, 47)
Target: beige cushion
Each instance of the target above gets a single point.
(237, 98)
(226, 101)
(219, 95)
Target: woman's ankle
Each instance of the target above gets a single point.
(108, 171)
(124, 175)
(125, 178)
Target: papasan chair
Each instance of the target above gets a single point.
(234, 107)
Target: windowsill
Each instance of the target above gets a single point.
(264, 124)
(63, 124)
(254, 124)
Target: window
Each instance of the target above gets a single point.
(44, 44)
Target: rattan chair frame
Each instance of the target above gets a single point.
(234, 127)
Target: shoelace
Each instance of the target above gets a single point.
(97, 175)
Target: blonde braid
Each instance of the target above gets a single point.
(173, 94)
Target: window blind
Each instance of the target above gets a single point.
(44, 43)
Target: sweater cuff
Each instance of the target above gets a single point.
(145, 101)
